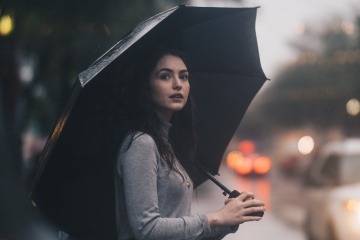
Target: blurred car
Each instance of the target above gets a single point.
(333, 193)
(246, 161)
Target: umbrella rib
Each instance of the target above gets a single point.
(139, 31)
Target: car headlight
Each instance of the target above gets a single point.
(353, 207)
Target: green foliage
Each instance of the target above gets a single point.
(314, 89)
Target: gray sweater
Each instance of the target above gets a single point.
(153, 203)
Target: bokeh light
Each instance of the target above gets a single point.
(353, 205)
(306, 145)
(232, 158)
(262, 165)
(353, 107)
(244, 166)
(246, 147)
(6, 25)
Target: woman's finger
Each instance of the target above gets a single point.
(245, 195)
(249, 198)
(253, 202)
(228, 200)
(247, 211)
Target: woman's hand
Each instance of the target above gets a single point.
(251, 196)
(235, 210)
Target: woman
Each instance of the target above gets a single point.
(155, 164)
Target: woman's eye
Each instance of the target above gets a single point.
(184, 77)
(165, 77)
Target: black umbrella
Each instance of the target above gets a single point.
(75, 176)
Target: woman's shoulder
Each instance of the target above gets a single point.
(138, 138)
(138, 148)
(143, 138)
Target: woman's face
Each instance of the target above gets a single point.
(169, 86)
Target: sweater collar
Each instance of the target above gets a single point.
(165, 128)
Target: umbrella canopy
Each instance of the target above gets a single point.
(76, 169)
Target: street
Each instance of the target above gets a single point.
(283, 217)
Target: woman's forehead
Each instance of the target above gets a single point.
(170, 62)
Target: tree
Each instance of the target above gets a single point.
(314, 89)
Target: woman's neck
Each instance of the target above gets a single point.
(164, 116)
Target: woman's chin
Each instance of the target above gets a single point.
(178, 108)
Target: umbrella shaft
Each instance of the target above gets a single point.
(214, 180)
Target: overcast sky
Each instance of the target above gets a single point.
(278, 22)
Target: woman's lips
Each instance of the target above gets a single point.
(177, 96)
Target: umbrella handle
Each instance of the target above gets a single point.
(232, 194)
(235, 194)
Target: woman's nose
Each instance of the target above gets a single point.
(177, 84)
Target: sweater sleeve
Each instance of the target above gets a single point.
(138, 168)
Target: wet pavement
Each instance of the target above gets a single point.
(282, 196)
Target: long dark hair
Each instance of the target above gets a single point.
(181, 142)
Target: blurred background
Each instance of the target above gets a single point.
(297, 148)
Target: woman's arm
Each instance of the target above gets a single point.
(138, 167)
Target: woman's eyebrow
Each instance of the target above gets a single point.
(166, 70)
(171, 70)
